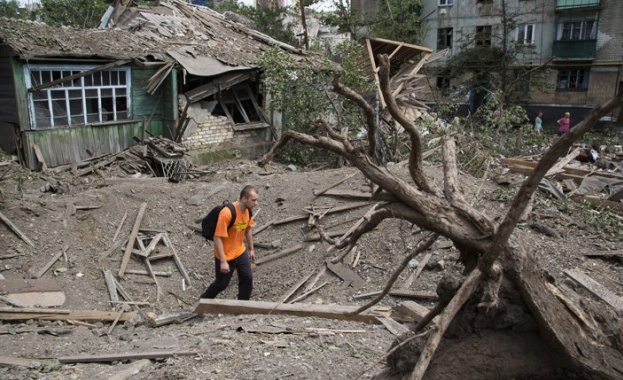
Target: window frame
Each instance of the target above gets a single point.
(446, 3)
(524, 33)
(244, 103)
(572, 85)
(77, 97)
(480, 32)
(584, 33)
(449, 32)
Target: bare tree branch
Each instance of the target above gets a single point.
(415, 159)
(368, 111)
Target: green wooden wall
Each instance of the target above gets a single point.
(62, 146)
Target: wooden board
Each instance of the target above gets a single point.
(393, 326)
(596, 288)
(13, 314)
(346, 274)
(224, 306)
(6, 361)
(32, 293)
(412, 310)
(106, 358)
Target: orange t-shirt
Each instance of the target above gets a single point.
(233, 244)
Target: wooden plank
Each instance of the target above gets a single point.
(131, 239)
(331, 211)
(16, 230)
(48, 265)
(55, 330)
(107, 358)
(110, 284)
(308, 292)
(278, 255)
(145, 273)
(596, 288)
(393, 326)
(293, 289)
(423, 295)
(14, 314)
(346, 274)
(168, 318)
(568, 171)
(114, 238)
(559, 166)
(151, 246)
(331, 186)
(39, 155)
(224, 306)
(348, 194)
(412, 310)
(7, 361)
(31, 293)
(125, 372)
(599, 203)
(176, 258)
(417, 271)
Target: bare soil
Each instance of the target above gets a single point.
(315, 348)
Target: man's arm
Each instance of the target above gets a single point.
(248, 234)
(220, 253)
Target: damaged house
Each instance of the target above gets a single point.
(176, 70)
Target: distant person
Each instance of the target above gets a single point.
(538, 123)
(563, 124)
(230, 252)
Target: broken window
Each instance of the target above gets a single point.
(238, 104)
(525, 34)
(572, 80)
(90, 99)
(444, 38)
(483, 35)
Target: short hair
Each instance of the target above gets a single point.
(246, 191)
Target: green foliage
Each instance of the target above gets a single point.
(397, 20)
(302, 94)
(82, 14)
(270, 21)
(11, 9)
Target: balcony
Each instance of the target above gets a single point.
(573, 4)
(574, 50)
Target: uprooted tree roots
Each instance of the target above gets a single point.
(504, 319)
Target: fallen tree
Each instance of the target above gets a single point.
(505, 305)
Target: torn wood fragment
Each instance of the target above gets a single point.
(114, 323)
(110, 284)
(339, 312)
(32, 292)
(176, 258)
(16, 230)
(310, 291)
(131, 239)
(114, 238)
(412, 310)
(146, 273)
(278, 255)
(151, 246)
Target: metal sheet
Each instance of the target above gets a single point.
(203, 66)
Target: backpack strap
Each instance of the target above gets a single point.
(232, 210)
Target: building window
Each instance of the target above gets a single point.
(238, 104)
(444, 38)
(525, 34)
(93, 98)
(572, 80)
(577, 30)
(483, 35)
(485, 1)
(445, 2)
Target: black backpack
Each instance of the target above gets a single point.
(208, 224)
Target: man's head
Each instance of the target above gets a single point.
(249, 196)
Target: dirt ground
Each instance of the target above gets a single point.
(227, 346)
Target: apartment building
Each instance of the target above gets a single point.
(574, 46)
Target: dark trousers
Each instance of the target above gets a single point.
(242, 264)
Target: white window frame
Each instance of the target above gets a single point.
(582, 27)
(85, 93)
(525, 34)
(446, 3)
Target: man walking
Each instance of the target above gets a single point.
(230, 253)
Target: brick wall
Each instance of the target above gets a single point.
(218, 131)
